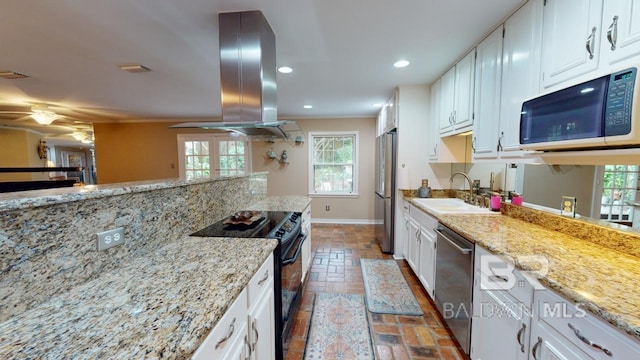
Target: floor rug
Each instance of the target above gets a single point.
(386, 289)
(339, 328)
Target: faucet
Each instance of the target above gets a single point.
(470, 199)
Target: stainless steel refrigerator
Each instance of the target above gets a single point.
(385, 179)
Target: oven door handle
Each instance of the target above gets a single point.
(295, 256)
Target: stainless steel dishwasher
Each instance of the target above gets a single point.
(454, 283)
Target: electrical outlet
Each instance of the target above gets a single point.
(110, 238)
(327, 208)
(568, 206)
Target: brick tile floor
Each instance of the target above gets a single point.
(337, 250)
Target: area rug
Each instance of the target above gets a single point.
(339, 328)
(386, 290)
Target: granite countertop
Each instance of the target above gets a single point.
(34, 198)
(283, 203)
(603, 280)
(160, 306)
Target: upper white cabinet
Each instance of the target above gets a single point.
(621, 31)
(521, 58)
(486, 107)
(442, 149)
(456, 97)
(570, 39)
(388, 115)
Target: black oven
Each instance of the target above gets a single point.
(286, 227)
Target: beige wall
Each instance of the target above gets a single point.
(19, 148)
(137, 151)
(293, 179)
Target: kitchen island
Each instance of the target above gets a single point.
(158, 295)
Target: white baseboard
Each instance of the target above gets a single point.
(344, 221)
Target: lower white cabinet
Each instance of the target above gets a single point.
(562, 330)
(502, 299)
(306, 246)
(422, 247)
(247, 329)
(261, 320)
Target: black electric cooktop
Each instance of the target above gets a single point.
(250, 224)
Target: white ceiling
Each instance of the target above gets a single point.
(341, 51)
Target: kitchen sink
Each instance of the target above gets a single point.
(451, 206)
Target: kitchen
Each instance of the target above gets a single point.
(438, 173)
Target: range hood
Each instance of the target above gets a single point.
(248, 79)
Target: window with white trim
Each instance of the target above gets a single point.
(619, 187)
(209, 155)
(333, 163)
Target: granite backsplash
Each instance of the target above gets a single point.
(48, 248)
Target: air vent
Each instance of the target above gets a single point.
(8, 74)
(134, 68)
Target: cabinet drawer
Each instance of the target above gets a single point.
(497, 273)
(573, 321)
(225, 334)
(262, 281)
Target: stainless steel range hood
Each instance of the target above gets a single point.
(248, 78)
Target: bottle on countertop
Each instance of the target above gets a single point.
(424, 191)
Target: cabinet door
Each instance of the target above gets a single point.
(463, 104)
(500, 327)
(546, 344)
(427, 274)
(306, 246)
(486, 106)
(620, 31)
(569, 25)
(434, 134)
(261, 327)
(414, 246)
(447, 96)
(521, 59)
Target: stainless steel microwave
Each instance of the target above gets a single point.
(600, 113)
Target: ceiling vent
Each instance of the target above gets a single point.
(8, 74)
(134, 68)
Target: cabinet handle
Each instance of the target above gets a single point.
(590, 44)
(418, 235)
(499, 147)
(246, 342)
(255, 331)
(435, 150)
(612, 33)
(229, 334)
(534, 351)
(454, 117)
(473, 144)
(406, 224)
(589, 342)
(519, 337)
(266, 276)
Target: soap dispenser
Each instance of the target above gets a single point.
(424, 191)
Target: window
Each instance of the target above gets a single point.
(209, 155)
(333, 159)
(619, 185)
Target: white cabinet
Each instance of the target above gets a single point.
(413, 252)
(620, 32)
(229, 338)
(522, 45)
(570, 39)
(306, 246)
(562, 330)
(402, 234)
(487, 93)
(442, 149)
(422, 247)
(388, 115)
(456, 97)
(427, 251)
(261, 317)
(246, 330)
(502, 299)
(447, 101)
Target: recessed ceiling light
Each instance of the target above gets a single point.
(377, 105)
(401, 63)
(285, 69)
(308, 107)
